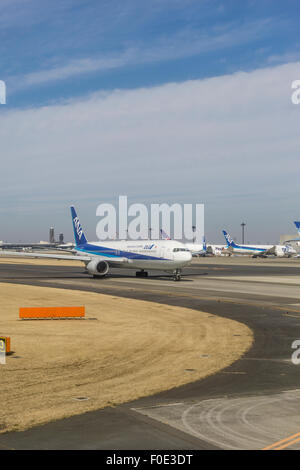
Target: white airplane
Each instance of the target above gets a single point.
(197, 249)
(259, 250)
(99, 257)
(217, 250)
(204, 249)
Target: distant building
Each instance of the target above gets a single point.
(51, 235)
(284, 238)
(61, 238)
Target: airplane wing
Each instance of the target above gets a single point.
(270, 251)
(32, 254)
(86, 258)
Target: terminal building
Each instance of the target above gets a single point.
(285, 238)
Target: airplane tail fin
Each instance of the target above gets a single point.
(78, 231)
(297, 226)
(228, 239)
(204, 245)
(164, 235)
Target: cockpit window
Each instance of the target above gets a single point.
(180, 249)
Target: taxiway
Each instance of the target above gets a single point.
(250, 405)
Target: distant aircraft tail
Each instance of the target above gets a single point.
(78, 231)
(228, 239)
(204, 245)
(297, 226)
(164, 235)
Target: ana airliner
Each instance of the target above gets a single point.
(99, 257)
(258, 250)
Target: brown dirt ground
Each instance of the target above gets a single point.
(125, 349)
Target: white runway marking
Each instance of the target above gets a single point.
(235, 423)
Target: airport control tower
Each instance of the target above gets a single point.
(51, 235)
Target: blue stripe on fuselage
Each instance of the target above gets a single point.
(112, 253)
(250, 248)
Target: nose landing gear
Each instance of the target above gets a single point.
(177, 274)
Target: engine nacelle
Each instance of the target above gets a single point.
(98, 268)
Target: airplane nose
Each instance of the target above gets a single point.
(184, 257)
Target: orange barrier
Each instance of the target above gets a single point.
(6, 345)
(51, 312)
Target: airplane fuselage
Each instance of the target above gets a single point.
(251, 249)
(141, 254)
(263, 250)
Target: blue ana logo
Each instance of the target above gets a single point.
(78, 227)
(148, 247)
(229, 239)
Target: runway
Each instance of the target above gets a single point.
(250, 405)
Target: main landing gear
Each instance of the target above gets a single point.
(141, 273)
(177, 274)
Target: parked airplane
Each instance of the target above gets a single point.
(205, 249)
(99, 257)
(164, 235)
(258, 250)
(217, 250)
(197, 249)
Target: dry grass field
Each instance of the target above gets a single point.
(123, 350)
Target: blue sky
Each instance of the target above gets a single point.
(160, 100)
(53, 50)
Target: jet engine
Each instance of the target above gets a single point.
(98, 268)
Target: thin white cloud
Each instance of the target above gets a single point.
(290, 56)
(73, 68)
(185, 43)
(20, 13)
